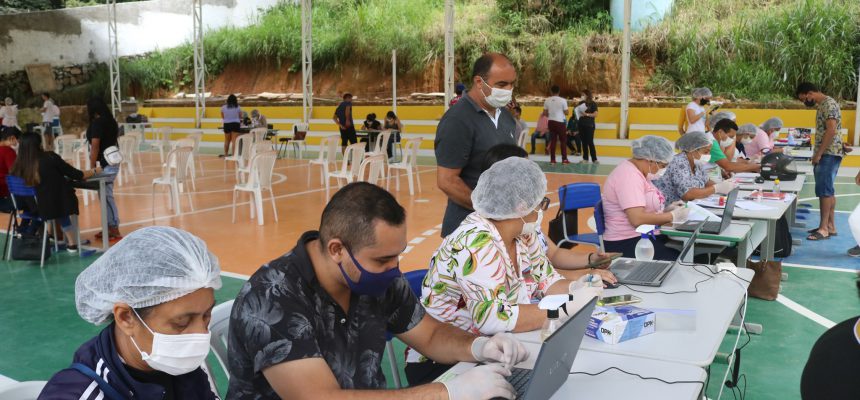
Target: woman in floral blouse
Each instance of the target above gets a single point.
(487, 274)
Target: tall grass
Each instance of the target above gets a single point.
(751, 49)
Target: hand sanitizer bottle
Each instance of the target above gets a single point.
(550, 325)
(644, 249)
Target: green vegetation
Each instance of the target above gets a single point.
(745, 49)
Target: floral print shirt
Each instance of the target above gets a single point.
(679, 179)
(472, 283)
(828, 109)
(283, 314)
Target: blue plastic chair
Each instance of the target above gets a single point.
(574, 197)
(19, 189)
(414, 278)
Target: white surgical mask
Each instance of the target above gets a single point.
(532, 227)
(704, 159)
(727, 142)
(498, 98)
(746, 141)
(656, 175)
(175, 354)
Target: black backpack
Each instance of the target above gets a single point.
(783, 242)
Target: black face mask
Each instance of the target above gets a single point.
(704, 101)
(809, 103)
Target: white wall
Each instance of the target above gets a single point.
(79, 35)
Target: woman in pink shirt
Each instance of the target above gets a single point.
(630, 199)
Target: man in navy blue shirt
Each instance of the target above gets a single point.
(343, 119)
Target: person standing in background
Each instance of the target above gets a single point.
(586, 113)
(9, 114)
(343, 119)
(50, 116)
(8, 154)
(466, 131)
(555, 108)
(101, 134)
(459, 89)
(522, 127)
(826, 155)
(231, 116)
(695, 112)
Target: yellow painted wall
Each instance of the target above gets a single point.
(638, 115)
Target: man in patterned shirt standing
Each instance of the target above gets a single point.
(312, 323)
(826, 156)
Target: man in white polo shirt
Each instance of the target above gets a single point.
(555, 109)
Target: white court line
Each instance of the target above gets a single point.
(407, 249)
(820, 268)
(417, 240)
(430, 232)
(235, 275)
(805, 312)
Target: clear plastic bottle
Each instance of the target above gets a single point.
(644, 249)
(550, 325)
(776, 185)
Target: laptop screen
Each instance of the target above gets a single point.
(689, 243)
(729, 210)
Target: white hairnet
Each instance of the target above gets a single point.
(693, 141)
(719, 117)
(702, 92)
(773, 123)
(747, 129)
(510, 188)
(150, 266)
(653, 148)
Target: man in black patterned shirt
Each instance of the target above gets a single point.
(311, 324)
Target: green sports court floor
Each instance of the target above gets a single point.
(40, 328)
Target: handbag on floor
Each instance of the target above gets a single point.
(765, 283)
(562, 218)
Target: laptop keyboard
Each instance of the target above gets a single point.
(645, 271)
(519, 379)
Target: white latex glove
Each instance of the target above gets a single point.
(680, 214)
(674, 205)
(501, 347)
(725, 187)
(480, 383)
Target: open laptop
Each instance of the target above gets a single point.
(555, 359)
(631, 271)
(714, 226)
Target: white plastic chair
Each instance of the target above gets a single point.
(138, 140)
(241, 154)
(521, 141)
(299, 146)
(126, 167)
(192, 170)
(65, 146)
(347, 171)
(256, 148)
(259, 179)
(372, 169)
(174, 173)
(381, 147)
(259, 134)
(327, 157)
(162, 141)
(197, 137)
(409, 163)
(219, 327)
(82, 162)
(28, 390)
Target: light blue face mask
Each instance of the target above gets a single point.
(370, 283)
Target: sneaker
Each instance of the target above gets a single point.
(854, 251)
(72, 249)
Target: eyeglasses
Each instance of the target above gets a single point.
(544, 204)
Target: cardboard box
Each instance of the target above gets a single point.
(617, 324)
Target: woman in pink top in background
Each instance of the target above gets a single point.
(630, 199)
(765, 139)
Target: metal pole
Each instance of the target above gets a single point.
(449, 52)
(307, 61)
(625, 71)
(199, 63)
(857, 112)
(394, 81)
(113, 60)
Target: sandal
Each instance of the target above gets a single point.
(817, 236)
(816, 230)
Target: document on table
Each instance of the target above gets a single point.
(752, 205)
(698, 213)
